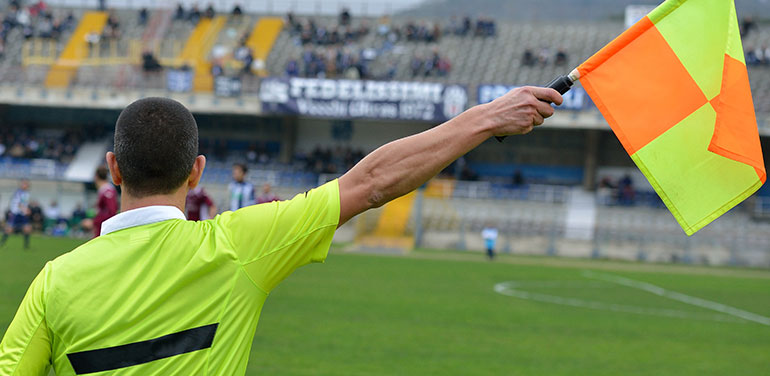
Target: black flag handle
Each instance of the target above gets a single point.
(562, 84)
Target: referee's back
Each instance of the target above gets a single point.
(156, 294)
(159, 295)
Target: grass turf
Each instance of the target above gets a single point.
(436, 313)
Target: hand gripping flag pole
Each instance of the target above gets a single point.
(562, 84)
(675, 90)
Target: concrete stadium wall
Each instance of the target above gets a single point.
(367, 135)
(117, 98)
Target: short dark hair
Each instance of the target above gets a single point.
(242, 166)
(156, 143)
(101, 172)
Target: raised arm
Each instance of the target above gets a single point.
(401, 166)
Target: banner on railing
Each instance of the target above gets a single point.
(227, 86)
(575, 99)
(350, 99)
(179, 81)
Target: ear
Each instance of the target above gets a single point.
(112, 163)
(197, 172)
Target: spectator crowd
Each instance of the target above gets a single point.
(28, 142)
(620, 192)
(194, 14)
(308, 31)
(339, 50)
(433, 65)
(544, 57)
(758, 56)
(223, 150)
(35, 20)
(330, 160)
(347, 62)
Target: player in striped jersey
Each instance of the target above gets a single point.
(241, 191)
(19, 216)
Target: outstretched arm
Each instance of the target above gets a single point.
(401, 166)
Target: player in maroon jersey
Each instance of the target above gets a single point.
(107, 205)
(267, 195)
(197, 201)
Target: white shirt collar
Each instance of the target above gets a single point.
(141, 216)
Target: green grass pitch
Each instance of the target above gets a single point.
(437, 313)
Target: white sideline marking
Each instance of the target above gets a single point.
(509, 288)
(569, 284)
(678, 296)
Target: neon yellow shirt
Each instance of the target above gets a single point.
(162, 296)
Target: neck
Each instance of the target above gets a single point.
(177, 199)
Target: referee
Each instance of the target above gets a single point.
(159, 295)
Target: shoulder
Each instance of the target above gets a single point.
(72, 262)
(109, 192)
(117, 246)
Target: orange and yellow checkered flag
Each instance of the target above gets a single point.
(675, 90)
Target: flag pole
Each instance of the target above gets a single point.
(562, 84)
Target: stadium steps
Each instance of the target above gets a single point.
(196, 51)
(581, 215)
(88, 157)
(110, 50)
(395, 217)
(652, 234)
(391, 228)
(157, 28)
(13, 48)
(516, 216)
(262, 39)
(107, 64)
(173, 42)
(441, 188)
(229, 40)
(67, 64)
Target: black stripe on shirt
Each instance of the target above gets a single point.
(143, 352)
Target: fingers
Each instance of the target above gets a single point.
(544, 109)
(538, 119)
(546, 94)
(524, 108)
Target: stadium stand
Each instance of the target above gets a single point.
(36, 152)
(382, 47)
(19, 38)
(130, 49)
(79, 46)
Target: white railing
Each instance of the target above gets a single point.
(367, 8)
(762, 207)
(528, 192)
